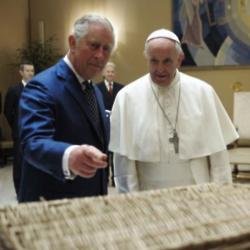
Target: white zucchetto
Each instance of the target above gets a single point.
(163, 33)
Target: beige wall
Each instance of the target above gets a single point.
(14, 34)
(134, 20)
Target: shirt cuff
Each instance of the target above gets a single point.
(65, 164)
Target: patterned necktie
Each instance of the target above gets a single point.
(110, 88)
(93, 106)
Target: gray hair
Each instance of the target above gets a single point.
(110, 64)
(81, 25)
(177, 47)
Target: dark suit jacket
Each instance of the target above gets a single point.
(11, 104)
(54, 115)
(107, 97)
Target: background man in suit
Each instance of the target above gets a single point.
(11, 105)
(64, 129)
(109, 89)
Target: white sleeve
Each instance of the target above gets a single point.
(220, 169)
(65, 163)
(125, 174)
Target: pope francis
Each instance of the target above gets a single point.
(167, 128)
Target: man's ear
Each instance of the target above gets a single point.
(72, 42)
(21, 73)
(181, 57)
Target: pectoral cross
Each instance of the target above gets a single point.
(175, 141)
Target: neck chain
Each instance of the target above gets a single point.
(175, 138)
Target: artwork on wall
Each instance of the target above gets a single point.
(213, 32)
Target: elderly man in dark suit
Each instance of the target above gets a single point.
(11, 104)
(108, 86)
(109, 89)
(64, 127)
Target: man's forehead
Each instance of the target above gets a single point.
(99, 32)
(159, 57)
(160, 51)
(98, 40)
(28, 66)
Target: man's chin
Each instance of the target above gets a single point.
(94, 72)
(161, 81)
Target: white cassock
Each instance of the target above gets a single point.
(144, 158)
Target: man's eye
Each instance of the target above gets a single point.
(106, 48)
(168, 61)
(153, 61)
(95, 46)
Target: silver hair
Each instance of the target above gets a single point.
(81, 25)
(110, 64)
(177, 47)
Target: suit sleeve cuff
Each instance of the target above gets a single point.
(68, 175)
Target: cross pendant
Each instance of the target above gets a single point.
(175, 141)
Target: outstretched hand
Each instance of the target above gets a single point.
(85, 160)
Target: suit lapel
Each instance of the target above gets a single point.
(116, 88)
(74, 88)
(104, 89)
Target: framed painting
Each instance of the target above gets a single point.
(213, 32)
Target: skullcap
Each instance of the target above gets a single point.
(163, 33)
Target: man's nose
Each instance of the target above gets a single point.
(161, 67)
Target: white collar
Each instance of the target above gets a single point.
(24, 83)
(108, 83)
(68, 62)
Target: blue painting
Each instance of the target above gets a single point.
(213, 32)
